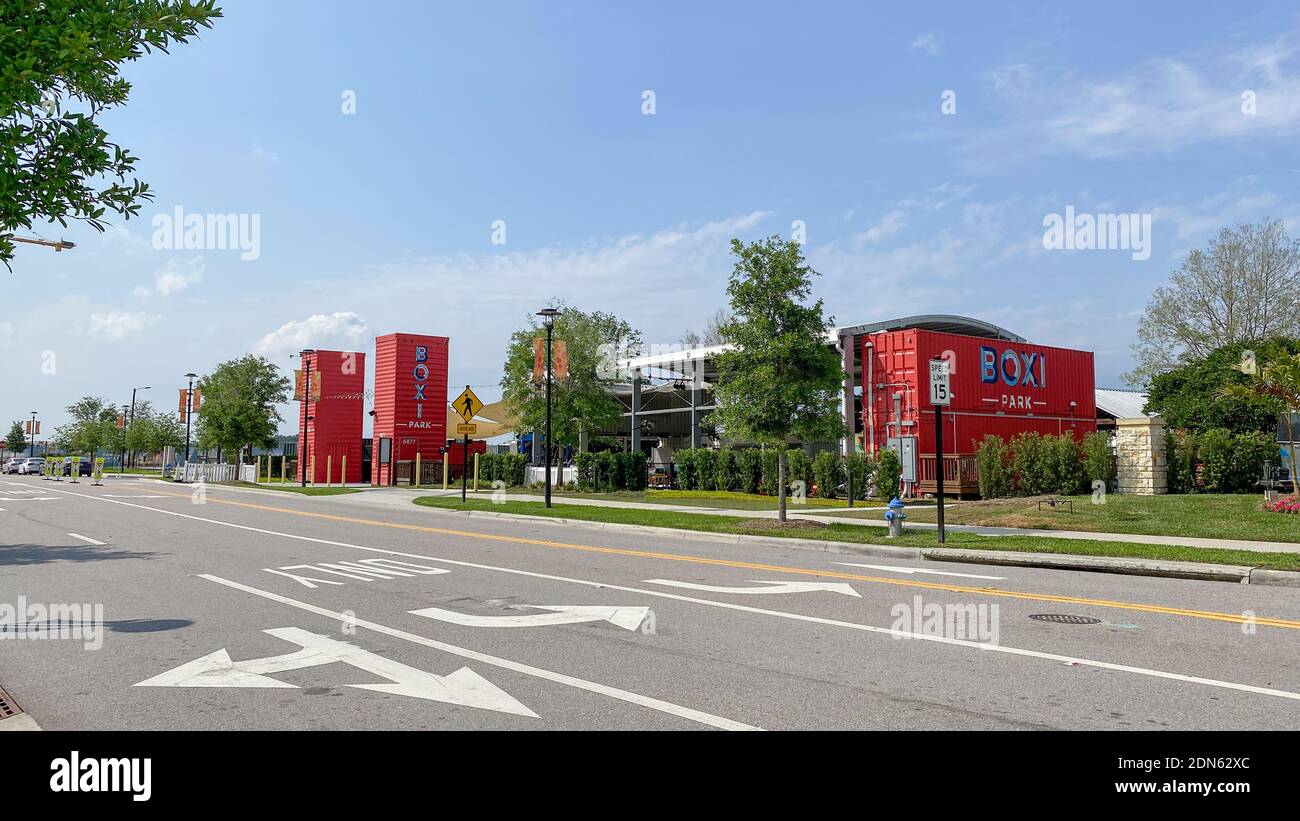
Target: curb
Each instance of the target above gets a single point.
(19, 723)
(18, 719)
(1236, 574)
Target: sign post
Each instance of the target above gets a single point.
(940, 397)
(467, 405)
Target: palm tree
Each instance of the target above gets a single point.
(1278, 382)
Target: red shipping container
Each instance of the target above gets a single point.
(998, 387)
(410, 399)
(334, 430)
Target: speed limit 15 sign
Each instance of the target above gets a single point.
(940, 392)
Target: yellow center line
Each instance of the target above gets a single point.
(774, 568)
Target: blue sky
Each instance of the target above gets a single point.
(765, 113)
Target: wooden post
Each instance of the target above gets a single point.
(329, 470)
(416, 479)
(311, 478)
(343, 480)
(284, 468)
(476, 473)
(446, 467)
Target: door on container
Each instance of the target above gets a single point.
(367, 455)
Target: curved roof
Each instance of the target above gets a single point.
(945, 323)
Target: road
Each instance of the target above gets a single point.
(243, 609)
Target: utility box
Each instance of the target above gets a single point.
(337, 411)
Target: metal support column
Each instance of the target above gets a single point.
(636, 409)
(697, 391)
(849, 359)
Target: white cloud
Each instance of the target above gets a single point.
(1162, 104)
(116, 325)
(7, 335)
(342, 329)
(262, 154)
(889, 225)
(174, 277)
(928, 43)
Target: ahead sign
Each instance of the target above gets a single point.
(940, 393)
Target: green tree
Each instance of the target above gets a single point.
(1276, 382)
(239, 405)
(164, 431)
(59, 164)
(1193, 396)
(137, 429)
(93, 426)
(780, 380)
(582, 401)
(16, 439)
(1245, 285)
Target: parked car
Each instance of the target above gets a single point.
(11, 464)
(31, 465)
(83, 469)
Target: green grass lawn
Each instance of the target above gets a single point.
(840, 532)
(310, 490)
(1209, 516)
(722, 499)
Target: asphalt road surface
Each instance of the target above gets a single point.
(243, 609)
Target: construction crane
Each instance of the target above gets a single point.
(57, 245)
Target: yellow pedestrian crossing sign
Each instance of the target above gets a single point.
(467, 404)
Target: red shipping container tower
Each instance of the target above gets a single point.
(334, 430)
(410, 400)
(998, 387)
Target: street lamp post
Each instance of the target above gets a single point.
(129, 419)
(32, 452)
(189, 411)
(548, 316)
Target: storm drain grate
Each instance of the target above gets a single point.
(1064, 618)
(8, 707)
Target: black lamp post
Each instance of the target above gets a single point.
(189, 411)
(548, 316)
(32, 452)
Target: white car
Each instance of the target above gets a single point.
(11, 464)
(31, 465)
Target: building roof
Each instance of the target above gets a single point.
(1121, 404)
(677, 362)
(944, 323)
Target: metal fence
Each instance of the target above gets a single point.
(193, 471)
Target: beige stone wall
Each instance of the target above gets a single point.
(1142, 466)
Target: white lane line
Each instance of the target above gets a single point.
(768, 587)
(131, 496)
(629, 618)
(912, 570)
(866, 628)
(86, 539)
(528, 670)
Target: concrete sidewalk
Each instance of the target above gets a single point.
(404, 497)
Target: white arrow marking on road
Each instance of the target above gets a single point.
(629, 618)
(463, 687)
(771, 587)
(86, 539)
(911, 570)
